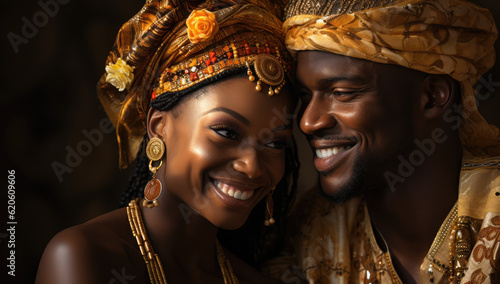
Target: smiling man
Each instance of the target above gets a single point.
(408, 169)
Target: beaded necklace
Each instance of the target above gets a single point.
(155, 269)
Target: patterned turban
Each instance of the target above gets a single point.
(173, 45)
(452, 37)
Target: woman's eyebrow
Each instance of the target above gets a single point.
(230, 112)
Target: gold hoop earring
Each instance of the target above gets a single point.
(154, 151)
(269, 209)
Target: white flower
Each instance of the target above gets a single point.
(120, 75)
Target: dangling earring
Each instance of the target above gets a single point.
(152, 191)
(269, 209)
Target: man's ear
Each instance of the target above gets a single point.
(439, 94)
(156, 122)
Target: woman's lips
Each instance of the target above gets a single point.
(234, 192)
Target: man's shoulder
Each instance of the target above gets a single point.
(488, 163)
(480, 175)
(479, 190)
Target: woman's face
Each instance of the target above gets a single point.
(225, 149)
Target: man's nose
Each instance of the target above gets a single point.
(316, 117)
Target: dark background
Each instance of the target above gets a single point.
(48, 101)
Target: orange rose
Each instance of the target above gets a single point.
(202, 26)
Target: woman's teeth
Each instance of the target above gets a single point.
(233, 192)
(328, 152)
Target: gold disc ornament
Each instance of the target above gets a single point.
(269, 70)
(155, 149)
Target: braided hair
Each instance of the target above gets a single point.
(253, 242)
(139, 178)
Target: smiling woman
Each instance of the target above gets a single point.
(202, 89)
(226, 155)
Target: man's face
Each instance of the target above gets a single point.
(357, 116)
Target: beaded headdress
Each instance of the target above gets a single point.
(170, 48)
(241, 50)
(452, 37)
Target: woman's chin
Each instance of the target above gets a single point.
(231, 224)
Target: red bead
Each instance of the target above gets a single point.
(229, 54)
(208, 62)
(193, 76)
(153, 96)
(214, 59)
(212, 54)
(152, 190)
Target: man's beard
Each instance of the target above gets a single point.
(352, 189)
(367, 176)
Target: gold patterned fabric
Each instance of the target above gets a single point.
(336, 244)
(452, 37)
(157, 38)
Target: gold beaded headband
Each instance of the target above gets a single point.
(258, 50)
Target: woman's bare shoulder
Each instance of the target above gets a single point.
(94, 252)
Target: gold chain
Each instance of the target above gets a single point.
(152, 260)
(153, 263)
(225, 266)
